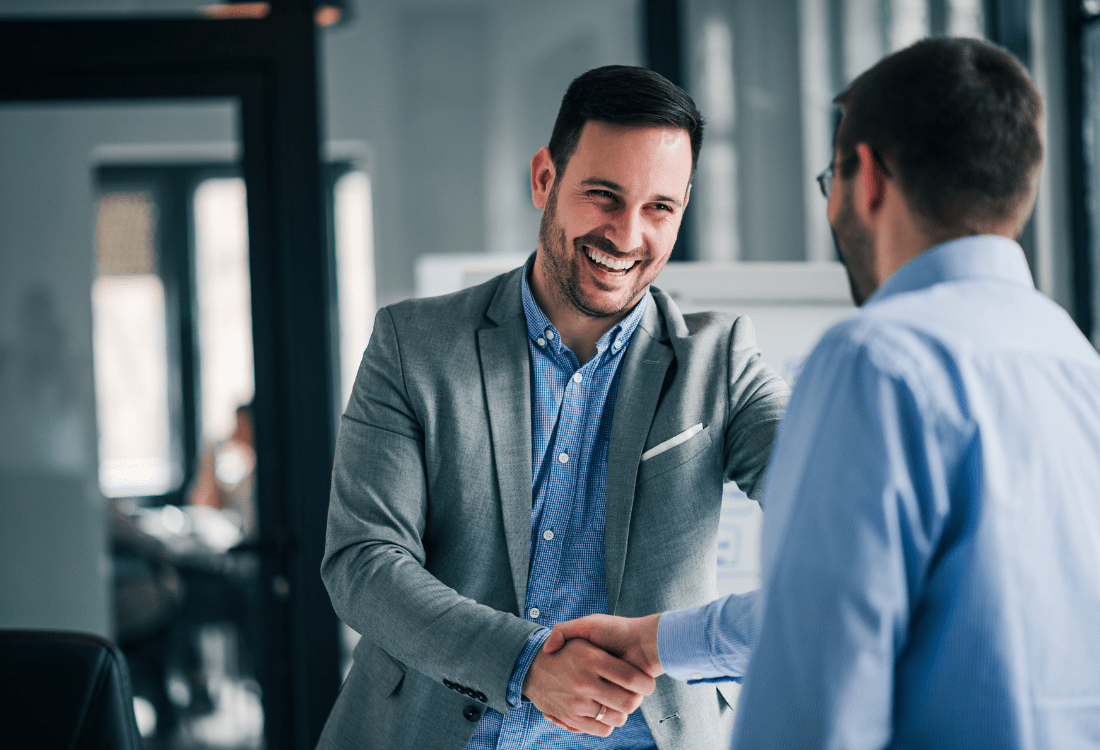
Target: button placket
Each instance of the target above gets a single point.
(563, 472)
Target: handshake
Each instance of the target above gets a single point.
(592, 672)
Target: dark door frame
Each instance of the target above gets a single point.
(269, 66)
(1082, 217)
(663, 39)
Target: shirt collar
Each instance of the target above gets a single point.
(989, 257)
(539, 327)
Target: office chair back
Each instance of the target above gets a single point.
(64, 690)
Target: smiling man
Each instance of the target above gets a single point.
(548, 445)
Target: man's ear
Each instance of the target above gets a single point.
(542, 177)
(871, 182)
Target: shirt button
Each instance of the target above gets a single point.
(548, 535)
(549, 334)
(618, 345)
(534, 612)
(563, 458)
(542, 342)
(696, 676)
(577, 377)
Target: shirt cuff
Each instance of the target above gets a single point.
(711, 643)
(523, 663)
(682, 643)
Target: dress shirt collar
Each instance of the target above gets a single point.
(543, 333)
(987, 256)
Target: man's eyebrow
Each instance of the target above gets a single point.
(600, 182)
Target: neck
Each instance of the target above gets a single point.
(581, 335)
(578, 331)
(899, 236)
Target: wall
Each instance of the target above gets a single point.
(452, 100)
(54, 569)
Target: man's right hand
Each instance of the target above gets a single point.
(571, 684)
(631, 638)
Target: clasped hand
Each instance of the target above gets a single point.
(594, 662)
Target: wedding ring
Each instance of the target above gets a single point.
(600, 715)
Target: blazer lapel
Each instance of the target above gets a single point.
(643, 372)
(506, 372)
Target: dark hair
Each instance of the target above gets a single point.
(622, 95)
(959, 121)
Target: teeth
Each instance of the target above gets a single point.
(603, 260)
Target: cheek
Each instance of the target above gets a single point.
(667, 230)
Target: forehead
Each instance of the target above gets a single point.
(643, 153)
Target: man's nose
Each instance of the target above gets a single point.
(629, 231)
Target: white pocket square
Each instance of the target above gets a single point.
(672, 442)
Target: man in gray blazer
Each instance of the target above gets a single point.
(550, 444)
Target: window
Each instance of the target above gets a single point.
(130, 351)
(764, 76)
(173, 319)
(224, 304)
(354, 245)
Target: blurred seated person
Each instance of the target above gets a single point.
(149, 595)
(224, 477)
(148, 589)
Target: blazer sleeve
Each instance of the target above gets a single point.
(757, 400)
(374, 558)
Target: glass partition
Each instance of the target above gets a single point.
(125, 350)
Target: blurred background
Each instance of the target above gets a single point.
(189, 272)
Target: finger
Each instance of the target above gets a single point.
(588, 725)
(559, 723)
(570, 629)
(614, 697)
(625, 675)
(555, 640)
(613, 718)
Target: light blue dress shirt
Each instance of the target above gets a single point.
(571, 412)
(931, 550)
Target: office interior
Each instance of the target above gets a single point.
(203, 204)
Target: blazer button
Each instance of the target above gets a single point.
(448, 684)
(471, 713)
(482, 697)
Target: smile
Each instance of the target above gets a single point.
(611, 263)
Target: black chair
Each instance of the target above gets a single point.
(64, 690)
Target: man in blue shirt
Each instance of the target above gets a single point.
(550, 444)
(931, 548)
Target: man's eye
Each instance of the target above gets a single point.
(663, 207)
(602, 194)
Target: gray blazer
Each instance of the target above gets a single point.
(429, 529)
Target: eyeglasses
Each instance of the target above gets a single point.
(828, 176)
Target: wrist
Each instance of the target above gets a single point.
(650, 627)
(521, 673)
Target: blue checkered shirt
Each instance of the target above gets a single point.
(571, 411)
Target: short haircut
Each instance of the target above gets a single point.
(960, 123)
(622, 95)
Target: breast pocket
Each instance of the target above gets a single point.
(666, 459)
